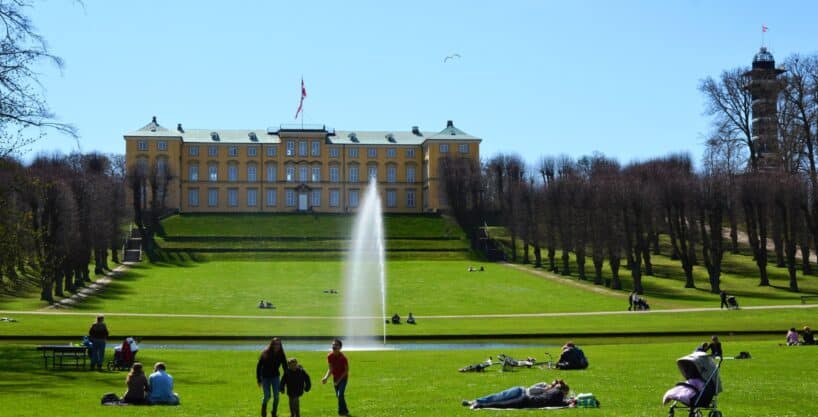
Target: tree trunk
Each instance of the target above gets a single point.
(537, 256)
(566, 262)
(580, 253)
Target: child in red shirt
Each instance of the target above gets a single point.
(339, 368)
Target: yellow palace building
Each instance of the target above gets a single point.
(297, 167)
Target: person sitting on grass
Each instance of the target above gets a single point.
(396, 319)
(572, 357)
(161, 386)
(137, 384)
(809, 339)
(792, 337)
(538, 395)
(411, 319)
(715, 347)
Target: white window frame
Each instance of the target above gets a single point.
(303, 173)
(316, 198)
(463, 148)
(410, 152)
(162, 145)
(213, 172)
(410, 198)
(334, 173)
(272, 151)
(411, 173)
(193, 172)
(315, 148)
(233, 151)
(334, 152)
(289, 173)
(232, 197)
(302, 148)
(353, 173)
(212, 150)
(353, 199)
(290, 197)
(391, 153)
(443, 148)
(391, 173)
(142, 145)
(271, 172)
(353, 152)
(252, 173)
(232, 172)
(252, 151)
(371, 172)
(372, 152)
(252, 197)
(290, 148)
(193, 150)
(391, 198)
(315, 173)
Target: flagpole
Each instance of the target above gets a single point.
(302, 101)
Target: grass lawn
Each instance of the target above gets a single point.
(629, 380)
(299, 225)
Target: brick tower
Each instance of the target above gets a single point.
(764, 87)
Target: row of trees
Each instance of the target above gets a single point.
(57, 215)
(596, 208)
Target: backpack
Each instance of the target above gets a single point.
(109, 398)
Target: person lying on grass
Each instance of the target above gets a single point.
(538, 395)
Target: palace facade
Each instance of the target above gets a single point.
(296, 168)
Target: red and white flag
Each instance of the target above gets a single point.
(764, 28)
(303, 95)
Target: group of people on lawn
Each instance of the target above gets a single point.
(793, 340)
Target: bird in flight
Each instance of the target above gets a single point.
(452, 56)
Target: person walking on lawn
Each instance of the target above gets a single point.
(295, 383)
(339, 368)
(271, 359)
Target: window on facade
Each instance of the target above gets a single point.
(315, 148)
(334, 174)
(353, 198)
(353, 152)
(372, 152)
(193, 197)
(232, 172)
(391, 198)
(410, 152)
(316, 198)
(162, 145)
(252, 197)
(334, 198)
(463, 148)
(290, 197)
(303, 173)
(233, 151)
(142, 165)
(213, 197)
(444, 148)
(290, 148)
(272, 198)
(391, 173)
(212, 150)
(252, 151)
(142, 145)
(162, 166)
(316, 174)
(213, 172)
(302, 148)
(372, 172)
(272, 151)
(272, 171)
(391, 152)
(193, 172)
(233, 197)
(251, 173)
(289, 172)
(410, 173)
(410, 198)
(353, 173)
(334, 152)
(193, 150)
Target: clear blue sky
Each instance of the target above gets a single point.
(534, 77)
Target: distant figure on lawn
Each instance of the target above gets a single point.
(98, 334)
(161, 384)
(265, 304)
(396, 319)
(809, 339)
(411, 319)
(272, 359)
(723, 297)
(631, 300)
(715, 347)
(792, 337)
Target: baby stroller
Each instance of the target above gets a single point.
(732, 302)
(124, 356)
(701, 388)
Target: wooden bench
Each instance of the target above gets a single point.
(64, 356)
(804, 298)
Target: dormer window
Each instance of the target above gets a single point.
(353, 137)
(214, 136)
(252, 136)
(391, 138)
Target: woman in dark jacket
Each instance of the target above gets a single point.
(267, 373)
(137, 385)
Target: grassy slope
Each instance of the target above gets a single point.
(628, 379)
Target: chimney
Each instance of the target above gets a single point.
(449, 123)
(153, 120)
(179, 128)
(416, 131)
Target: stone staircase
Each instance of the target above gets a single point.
(133, 247)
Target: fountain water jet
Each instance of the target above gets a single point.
(365, 276)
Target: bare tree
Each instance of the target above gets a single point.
(22, 105)
(730, 103)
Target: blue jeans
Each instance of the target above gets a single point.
(504, 398)
(97, 352)
(340, 387)
(268, 384)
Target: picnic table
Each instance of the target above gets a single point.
(64, 356)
